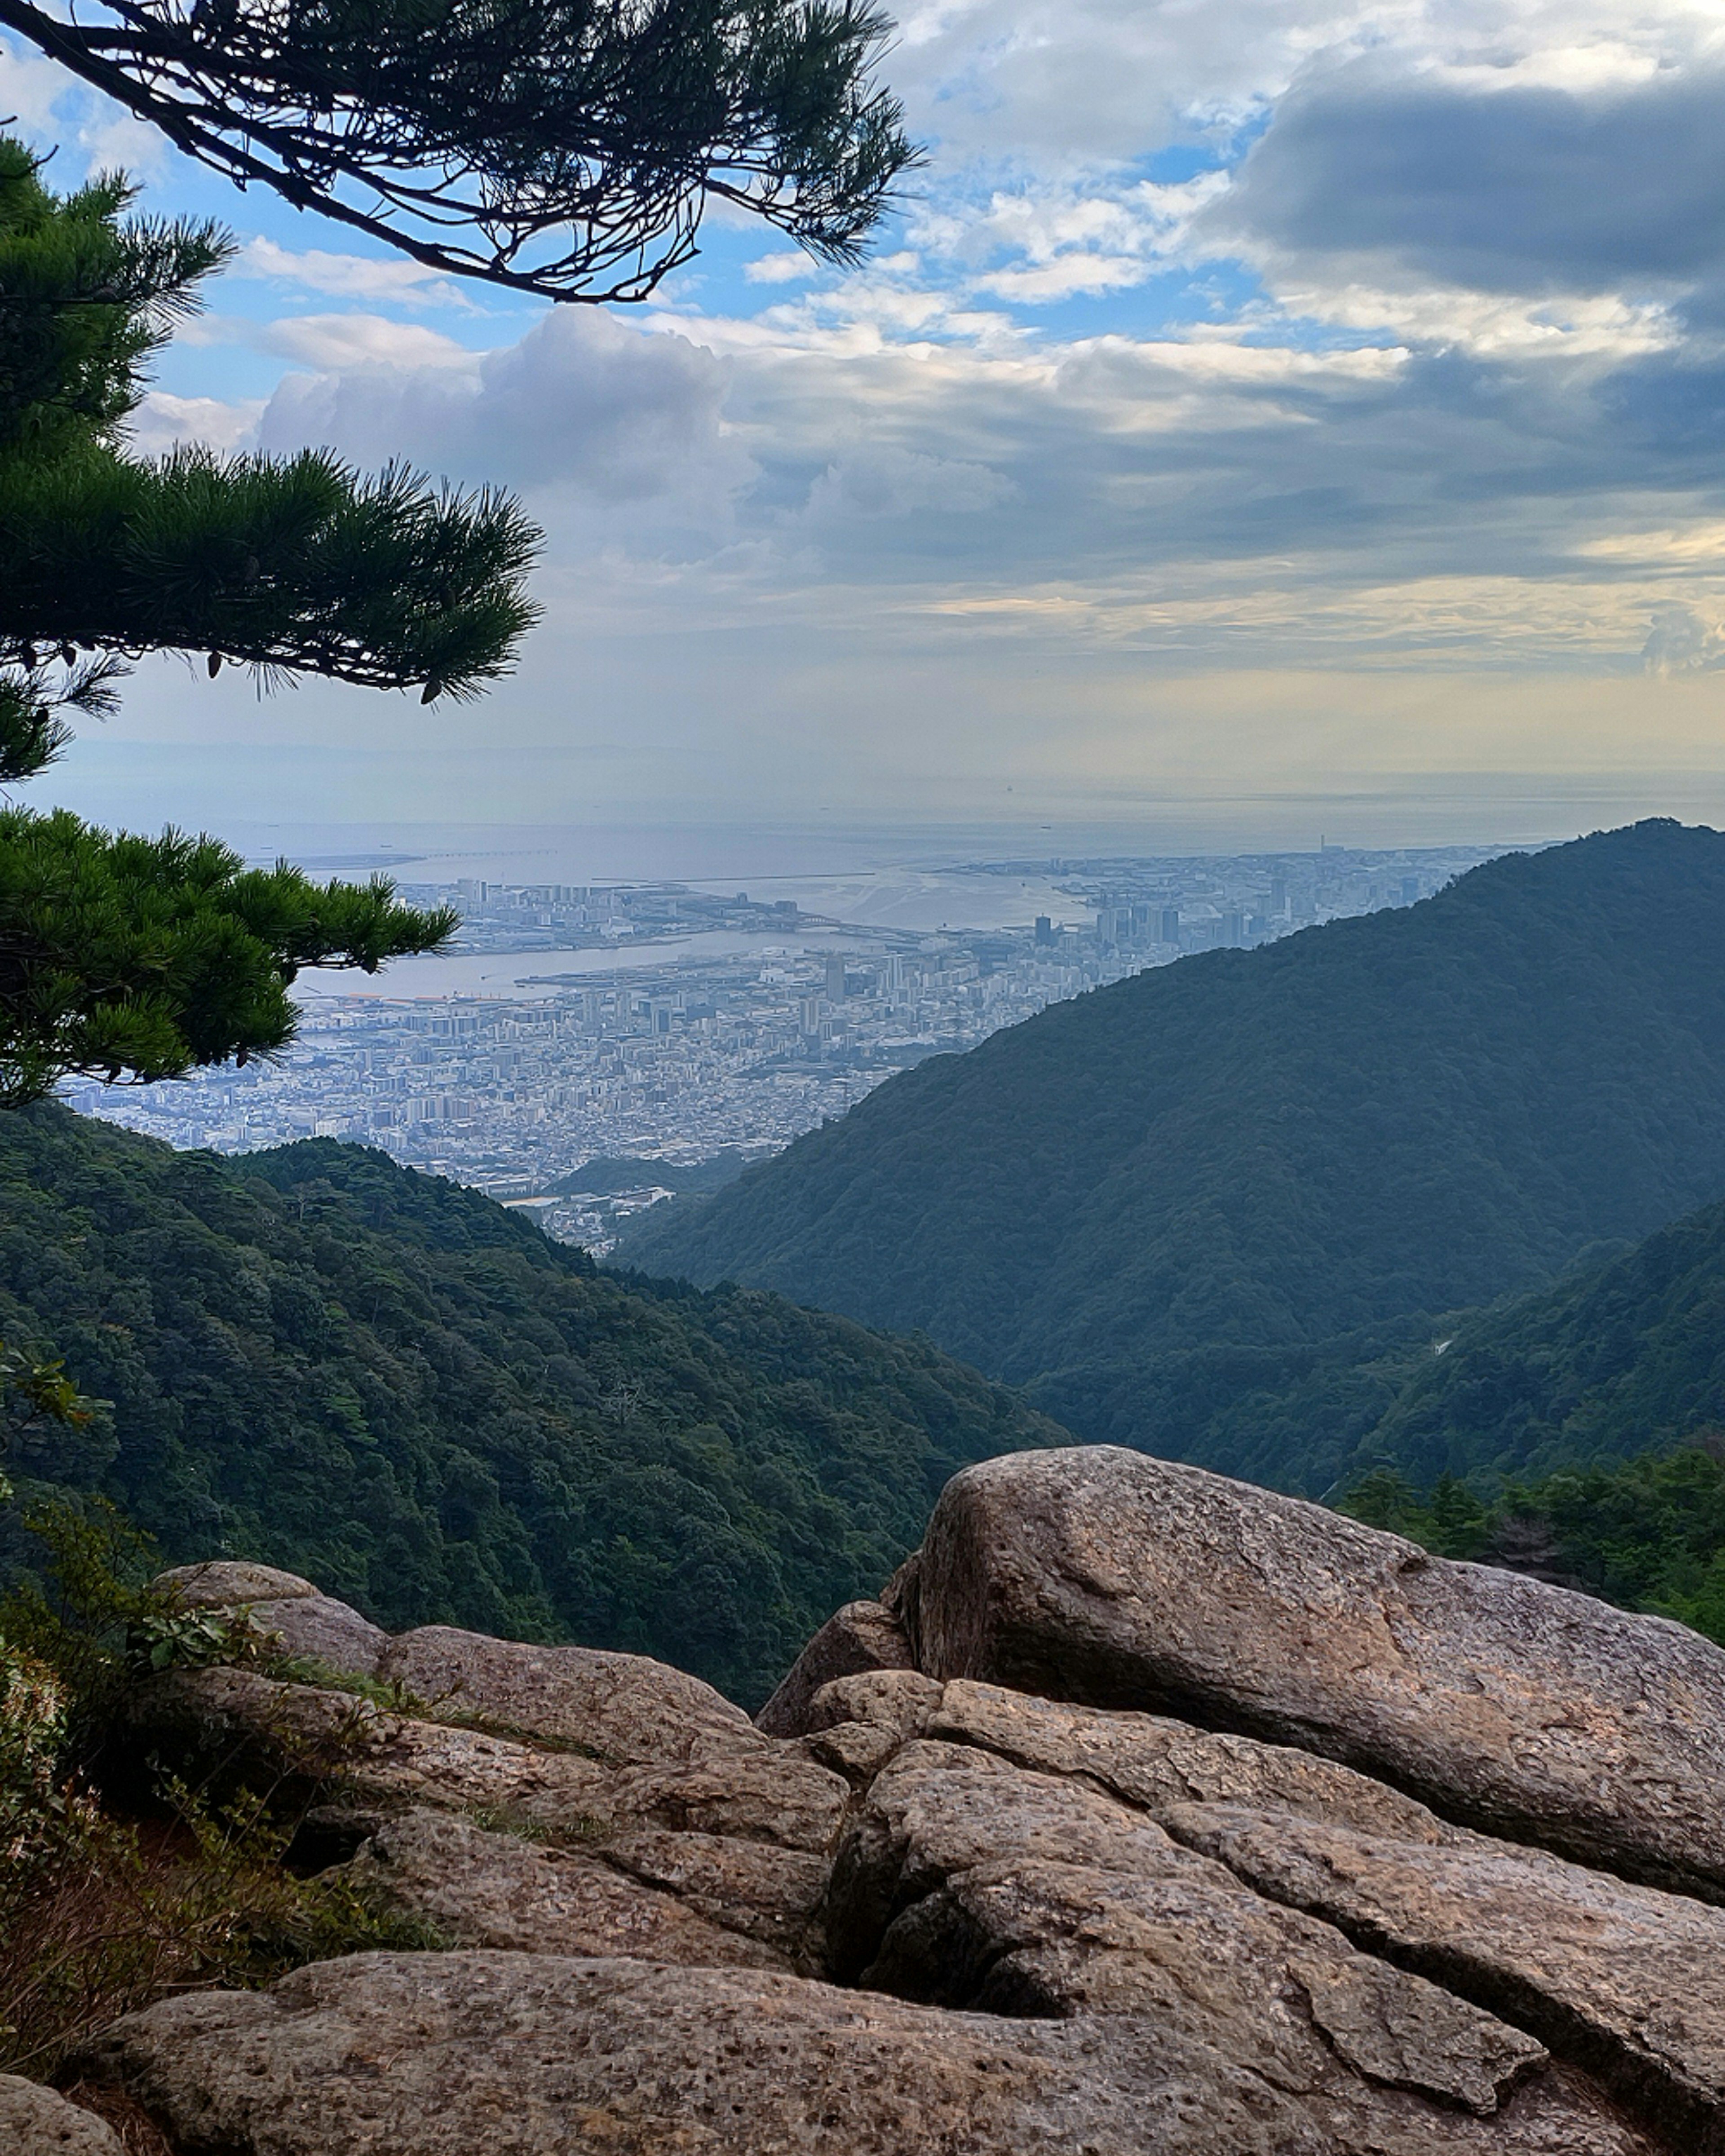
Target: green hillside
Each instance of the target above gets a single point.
(1169, 1199)
(393, 1385)
(1647, 1533)
(1618, 1358)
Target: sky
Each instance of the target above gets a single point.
(1253, 418)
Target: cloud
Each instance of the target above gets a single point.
(784, 267)
(1682, 641)
(1498, 189)
(393, 277)
(162, 421)
(336, 341)
(895, 482)
(582, 401)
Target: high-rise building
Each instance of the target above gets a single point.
(1168, 928)
(835, 977)
(1044, 929)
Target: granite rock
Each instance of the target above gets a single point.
(483, 1889)
(480, 2054)
(970, 1883)
(35, 2122)
(1629, 1980)
(1109, 1577)
(861, 1636)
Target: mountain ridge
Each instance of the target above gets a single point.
(1407, 1112)
(330, 1363)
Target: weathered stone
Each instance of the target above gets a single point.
(621, 1709)
(233, 1721)
(898, 1700)
(325, 1631)
(862, 1635)
(770, 1893)
(1157, 1764)
(478, 2054)
(483, 1889)
(1625, 1978)
(1104, 1576)
(230, 1584)
(776, 1795)
(768, 1792)
(306, 1622)
(858, 1750)
(977, 1884)
(35, 2122)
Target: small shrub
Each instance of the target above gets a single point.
(100, 1912)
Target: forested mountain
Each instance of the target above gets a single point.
(392, 1385)
(1613, 1360)
(1163, 1204)
(1648, 1533)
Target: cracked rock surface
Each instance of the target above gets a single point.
(1146, 1815)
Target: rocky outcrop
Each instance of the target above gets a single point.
(35, 2122)
(518, 2054)
(1628, 1979)
(306, 1621)
(860, 1637)
(1104, 1575)
(1227, 1896)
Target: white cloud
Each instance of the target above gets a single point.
(784, 267)
(393, 277)
(339, 342)
(161, 421)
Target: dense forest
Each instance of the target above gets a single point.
(1174, 1205)
(1648, 1533)
(1616, 1359)
(390, 1384)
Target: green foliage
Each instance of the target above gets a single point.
(567, 147)
(140, 958)
(1648, 1533)
(85, 297)
(35, 1395)
(290, 565)
(402, 1390)
(134, 959)
(1620, 1356)
(101, 1912)
(1237, 1191)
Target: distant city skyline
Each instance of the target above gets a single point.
(661, 1022)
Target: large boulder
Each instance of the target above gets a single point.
(1104, 1576)
(478, 2054)
(969, 1882)
(1172, 1840)
(625, 1710)
(306, 1623)
(1629, 1978)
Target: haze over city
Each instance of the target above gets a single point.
(1253, 423)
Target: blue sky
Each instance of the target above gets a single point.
(1290, 404)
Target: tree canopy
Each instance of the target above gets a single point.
(401, 1389)
(138, 958)
(292, 566)
(564, 148)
